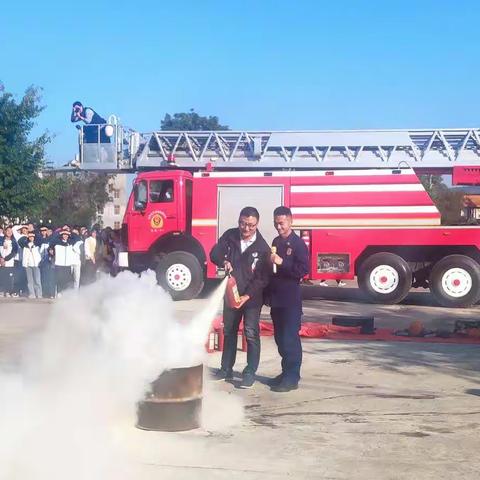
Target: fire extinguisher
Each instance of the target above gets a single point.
(233, 297)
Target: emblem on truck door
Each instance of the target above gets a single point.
(156, 220)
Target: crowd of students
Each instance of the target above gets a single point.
(42, 262)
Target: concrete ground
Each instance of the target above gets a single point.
(364, 410)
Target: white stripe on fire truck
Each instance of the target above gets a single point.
(388, 227)
(308, 173)
(351, 209)
(365, 222)
(204, 222)
(387, 187)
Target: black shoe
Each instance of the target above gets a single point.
(273, 382)
(284, 387)
(222, 375)
(248, 380)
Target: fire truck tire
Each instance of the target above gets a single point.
(455, 281)
(385, 278)
(181, 275)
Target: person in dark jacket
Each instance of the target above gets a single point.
(92, 131)
(47, 267)
(244, 254)
(290, 264)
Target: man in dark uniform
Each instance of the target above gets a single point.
(290, 264)
(245, 254)
(92, 119)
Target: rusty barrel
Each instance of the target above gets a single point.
(174, 402)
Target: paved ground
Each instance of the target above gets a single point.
(365, 410)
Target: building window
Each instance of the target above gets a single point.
(116, 225)
(116, 193)
(116, 210)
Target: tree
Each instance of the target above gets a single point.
(22, 190)
(79, 197)
(448, 201)
(450, 205)
(191, 121)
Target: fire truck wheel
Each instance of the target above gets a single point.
(455, 281)
(181, 275)
(385, 278)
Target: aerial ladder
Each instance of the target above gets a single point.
(427, 151)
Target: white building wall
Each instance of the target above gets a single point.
(113, 212)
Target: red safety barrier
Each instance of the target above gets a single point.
(334, 332)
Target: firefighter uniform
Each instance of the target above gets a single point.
(286, 303)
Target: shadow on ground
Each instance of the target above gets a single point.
(460, 361)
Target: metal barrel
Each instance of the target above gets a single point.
(175, 401)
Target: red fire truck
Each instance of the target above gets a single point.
(355, 197)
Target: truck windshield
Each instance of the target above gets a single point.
(140, 195)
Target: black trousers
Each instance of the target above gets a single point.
(231, 322)
(20, 282)
(286, 327)
(47, 275)
(63, 277)
(89, 273)
(7, 279)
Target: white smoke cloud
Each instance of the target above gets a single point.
(67, 410)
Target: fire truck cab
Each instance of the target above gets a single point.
(157, 229)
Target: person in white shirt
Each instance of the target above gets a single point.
(77, 254)
(31, 258)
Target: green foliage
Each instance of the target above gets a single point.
(78, 196)
(26, 193)
(191, 121)
(449, 201)
(22, 190)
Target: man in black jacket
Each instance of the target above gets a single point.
(94, 129)
(244, 254)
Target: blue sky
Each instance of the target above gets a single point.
(258, 65)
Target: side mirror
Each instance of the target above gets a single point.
(140, 205)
